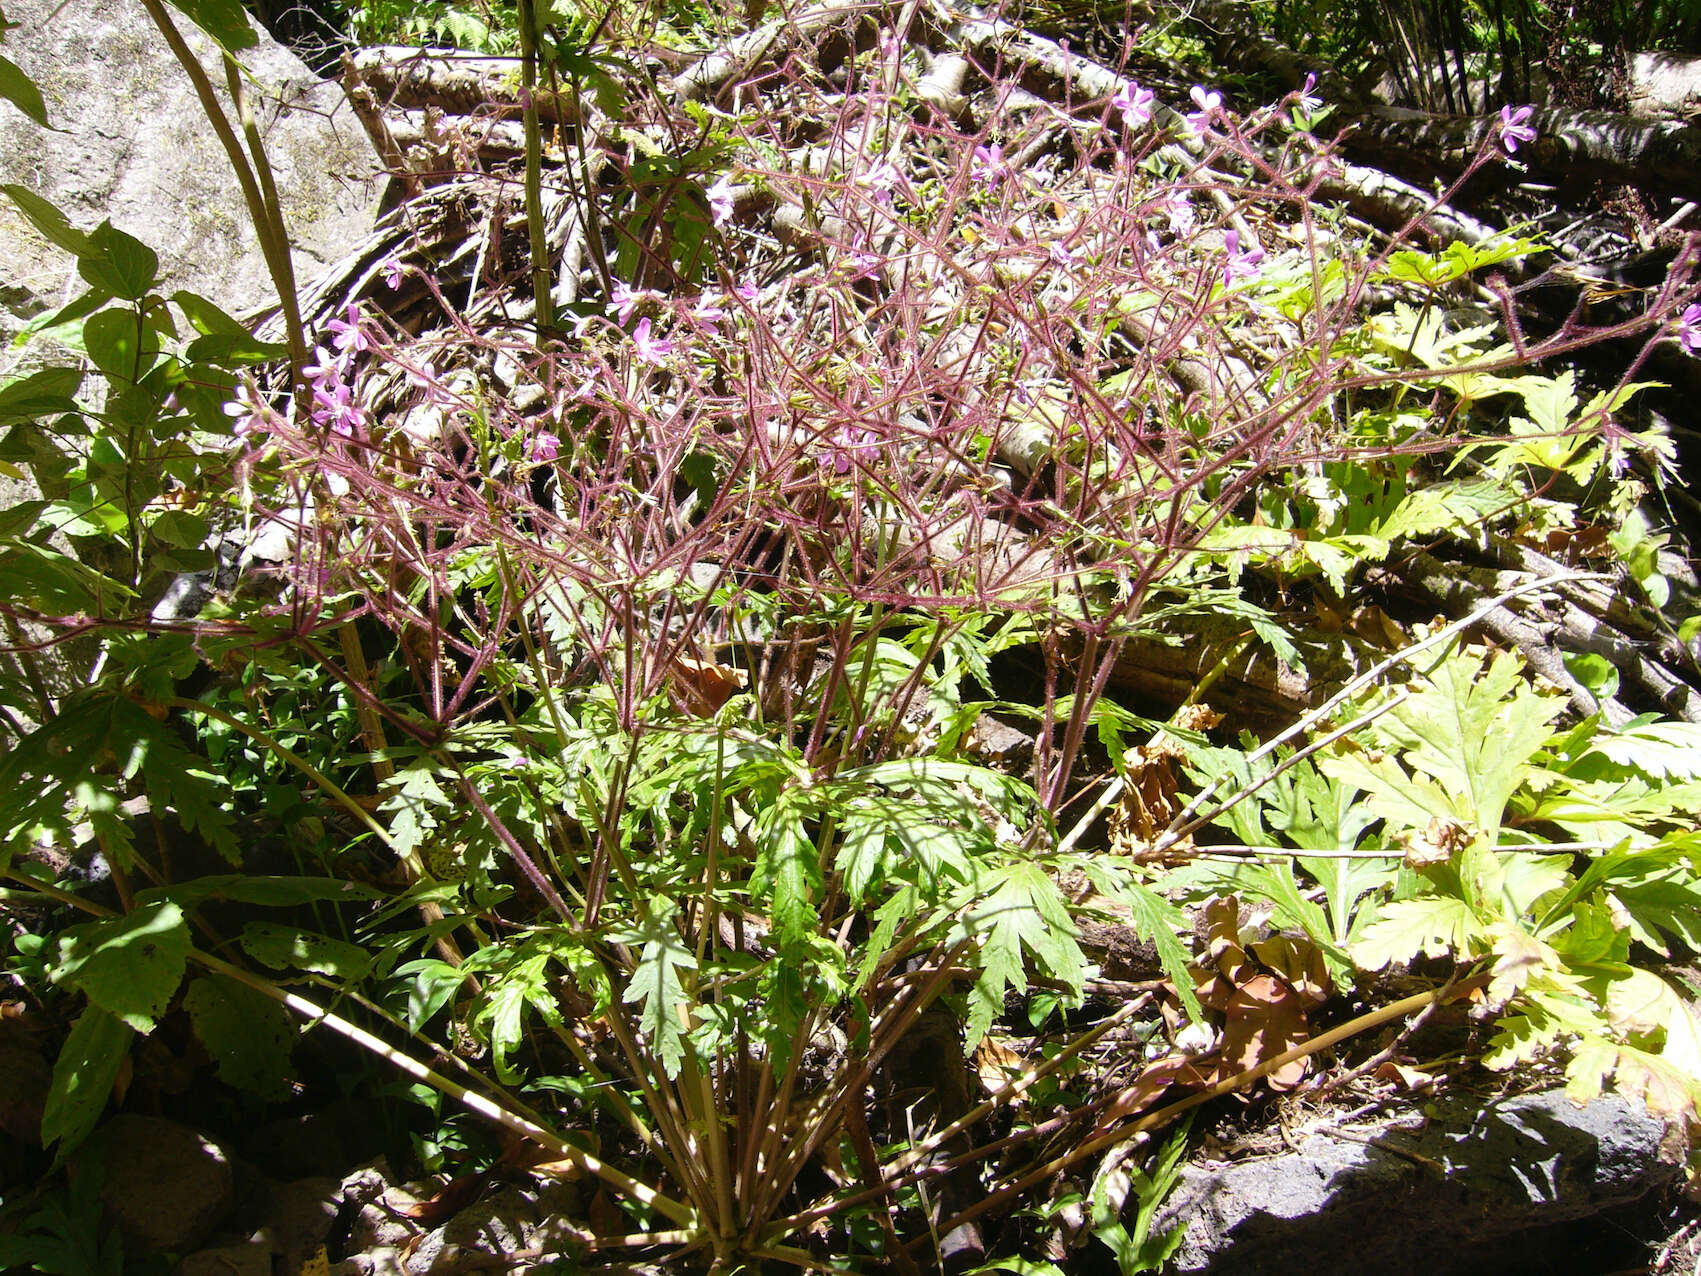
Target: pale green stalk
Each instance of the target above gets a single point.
(266, 215)
(541, 283)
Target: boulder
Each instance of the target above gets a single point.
(164, 1185)
(296, 1219)
(135, 148)
(497, 1226)
(1472, 1188)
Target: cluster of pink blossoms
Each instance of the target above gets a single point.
(334, 405)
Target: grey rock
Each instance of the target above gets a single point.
(385, 1260)
(496, 1225)
(135, 148)
(379, 1221)
(165, 1186)
(296, 1218)
(227, 1260)
(1479, 1188)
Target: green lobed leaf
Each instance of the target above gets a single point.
(63, 770)
(863, 859)
(787, 871)
(430, 984)
(522, 984)
(936, 843)
(1435, 925)
(900, 909)
(1550, 401)
(1152, 917)
(1660, 750)
(1471, 727)
(1521, 1038)
(224, 20)
(1024, 915)
(120, 344)
(413, 800)
(41, 394)
(1667, 906)
(83, 1077)
(1406, 801)
(18, 89)
(1669, 1088)
(130, 966)
(290, 948)
(274, 892)
(1442, 507)
(1139, 1250)
(118, 262)
(656, 986)
(248, 1035)
(47, 219)
(55, 583)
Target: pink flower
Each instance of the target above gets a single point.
(648, 349)
(1689, 330)
(720, 203)
(393, 273)
(707, 314)
(746, 292)
(1062, 255)
(1514, 129)
(850, 441)
(881, 180)
(863, 264)
(347, 334)
(626, 300)
(329, 368)
(1179, 209)
(1240, 265)
(249, 413)
(1210, 104)
(989, 165)
(545, 445)
(1307, 102)
(1618, 462)
(334, 407)
(1134, 103)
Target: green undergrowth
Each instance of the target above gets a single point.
(619, 770)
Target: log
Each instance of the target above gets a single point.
(400, 78)
(1661, 156)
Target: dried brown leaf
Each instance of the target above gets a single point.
(1264, 1019)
